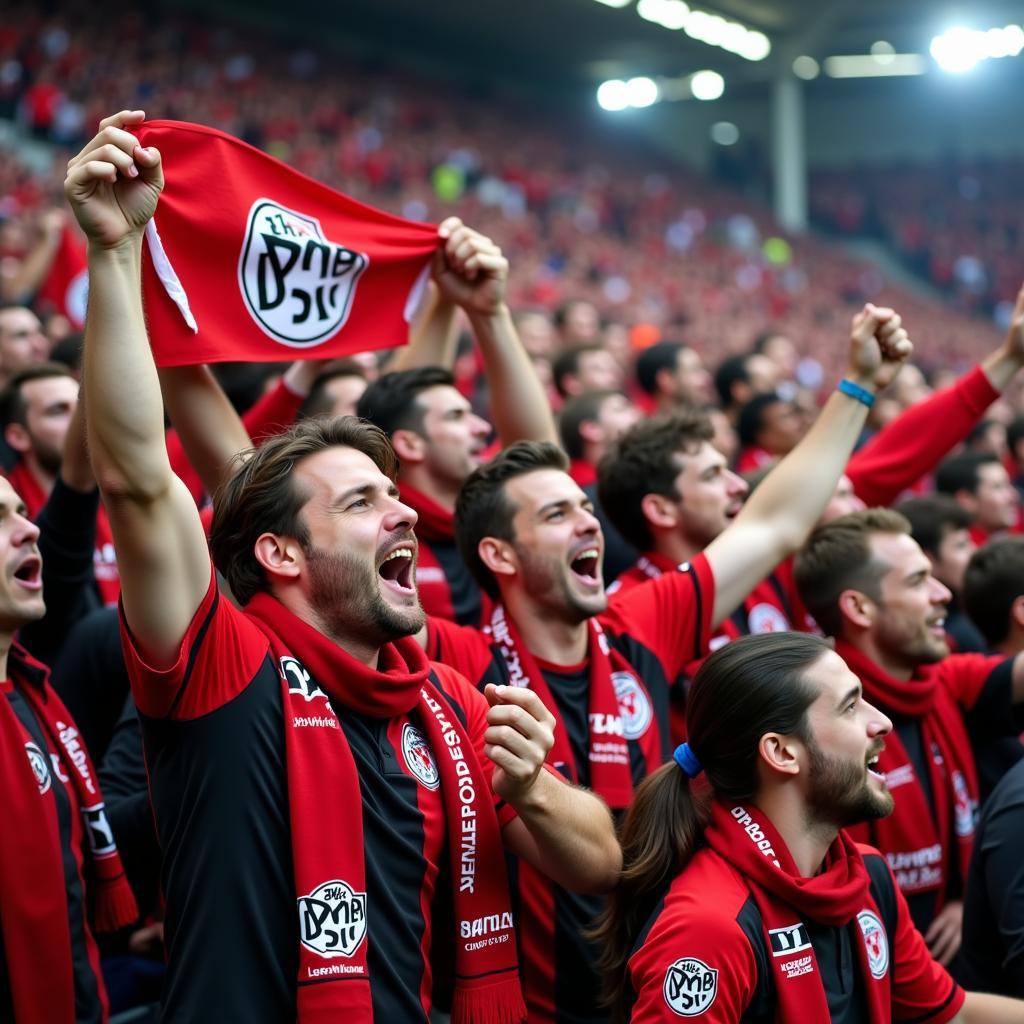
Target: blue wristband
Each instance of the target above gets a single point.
(862, 395)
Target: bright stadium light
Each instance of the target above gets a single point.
(960, 49)
(641, 92)
(615, 3)
(756, 46)
(613, 95)
(806, 68)
(864, 65)
(707, 85)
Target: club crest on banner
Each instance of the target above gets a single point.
(690, 987)
(297, 284)
(332, 919)
(76, 298)
(875, 942)
(634, 705)
(419, 758)
(38, 762)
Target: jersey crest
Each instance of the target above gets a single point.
(634, 705)
(419, 758)
(38, 762)
(690, 987)
(766, 618)
(876, 943)
(332, 919)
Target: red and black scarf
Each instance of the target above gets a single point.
(919, 839)
(328, 849)
(838, 896)
(33, 889)
(611, 776)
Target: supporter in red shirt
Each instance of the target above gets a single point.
(583, 368)
(61, 879)
(743, 897)
(672, 375)
(589, 424)
(604, 666)
(868, 584)
(768, 427)
(320, 790)
(979, 483)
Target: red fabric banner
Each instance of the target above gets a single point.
(66, 286)
(249, 260)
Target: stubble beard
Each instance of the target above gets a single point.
(841, 793)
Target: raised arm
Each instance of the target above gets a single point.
(113, 187)
(433, 333)
(918, 439)
(781, 512)
(471, 271)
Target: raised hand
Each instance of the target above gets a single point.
(879, 346)
(469, 269)
(113, 184)
(520, 733)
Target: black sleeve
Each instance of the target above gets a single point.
(125, 788)
(1004, 886)
(67, 543)
(994, 713)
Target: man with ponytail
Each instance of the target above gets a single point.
(743, 898)
(604, 666)
(870, 586)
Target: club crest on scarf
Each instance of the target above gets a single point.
(875, 942)
(634, 706)
(297, 284)
(690, 987)
(419, 758)
(299, 680)
(963, 810)
(332, 919)
(40, 769)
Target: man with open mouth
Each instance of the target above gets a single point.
(603, 667)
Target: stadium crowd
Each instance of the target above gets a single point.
(635, 633)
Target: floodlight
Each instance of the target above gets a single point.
(615, 3)
(806, 68)
(959, 49)
(756, 46)
(707, 85)
(641, 92)
(613, 95)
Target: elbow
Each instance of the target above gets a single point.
(120, 488)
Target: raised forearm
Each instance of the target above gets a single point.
(432, 335)
(984, 1008)
(519, 406)
(571, 836)
(124, 411)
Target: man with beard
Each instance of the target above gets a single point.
(320, 790)
(438, 438)
(746, 899)
(870, 586)
(603, 667)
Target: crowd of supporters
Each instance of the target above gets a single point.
(486, 675)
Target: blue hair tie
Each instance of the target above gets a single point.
(687, 760)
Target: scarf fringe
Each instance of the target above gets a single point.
(498, 1002)
(115, 905)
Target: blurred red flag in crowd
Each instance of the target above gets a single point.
(249, 260)
(66, 286)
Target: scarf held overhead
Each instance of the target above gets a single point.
(919, 838)
(330, 872)
(249, 260)
(839, 896)
(33, 889)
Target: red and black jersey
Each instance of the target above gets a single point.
(215, 749)
(658, 629)
(446, 586)
(703, 954)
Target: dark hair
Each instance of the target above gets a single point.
(837, 557)
(752, 686)
(568, 362)
(646, 460)
(662, 355)
(484, 510)
(390, 401)
(318, 402)
(732, 370)
(12, 402)
(994, 579)
(961, 472)
(580, 409)
(262, 496)
(933, 517)
(561, 315)
(762, 339)
(751, 418)
(1015, 434)
(69, 351)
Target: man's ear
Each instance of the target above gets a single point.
(659, 511)
(966, 500)
(499, 556)
(279, 556)
(857, 608)
(17, 437)
(780, 753)
(410, 447)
